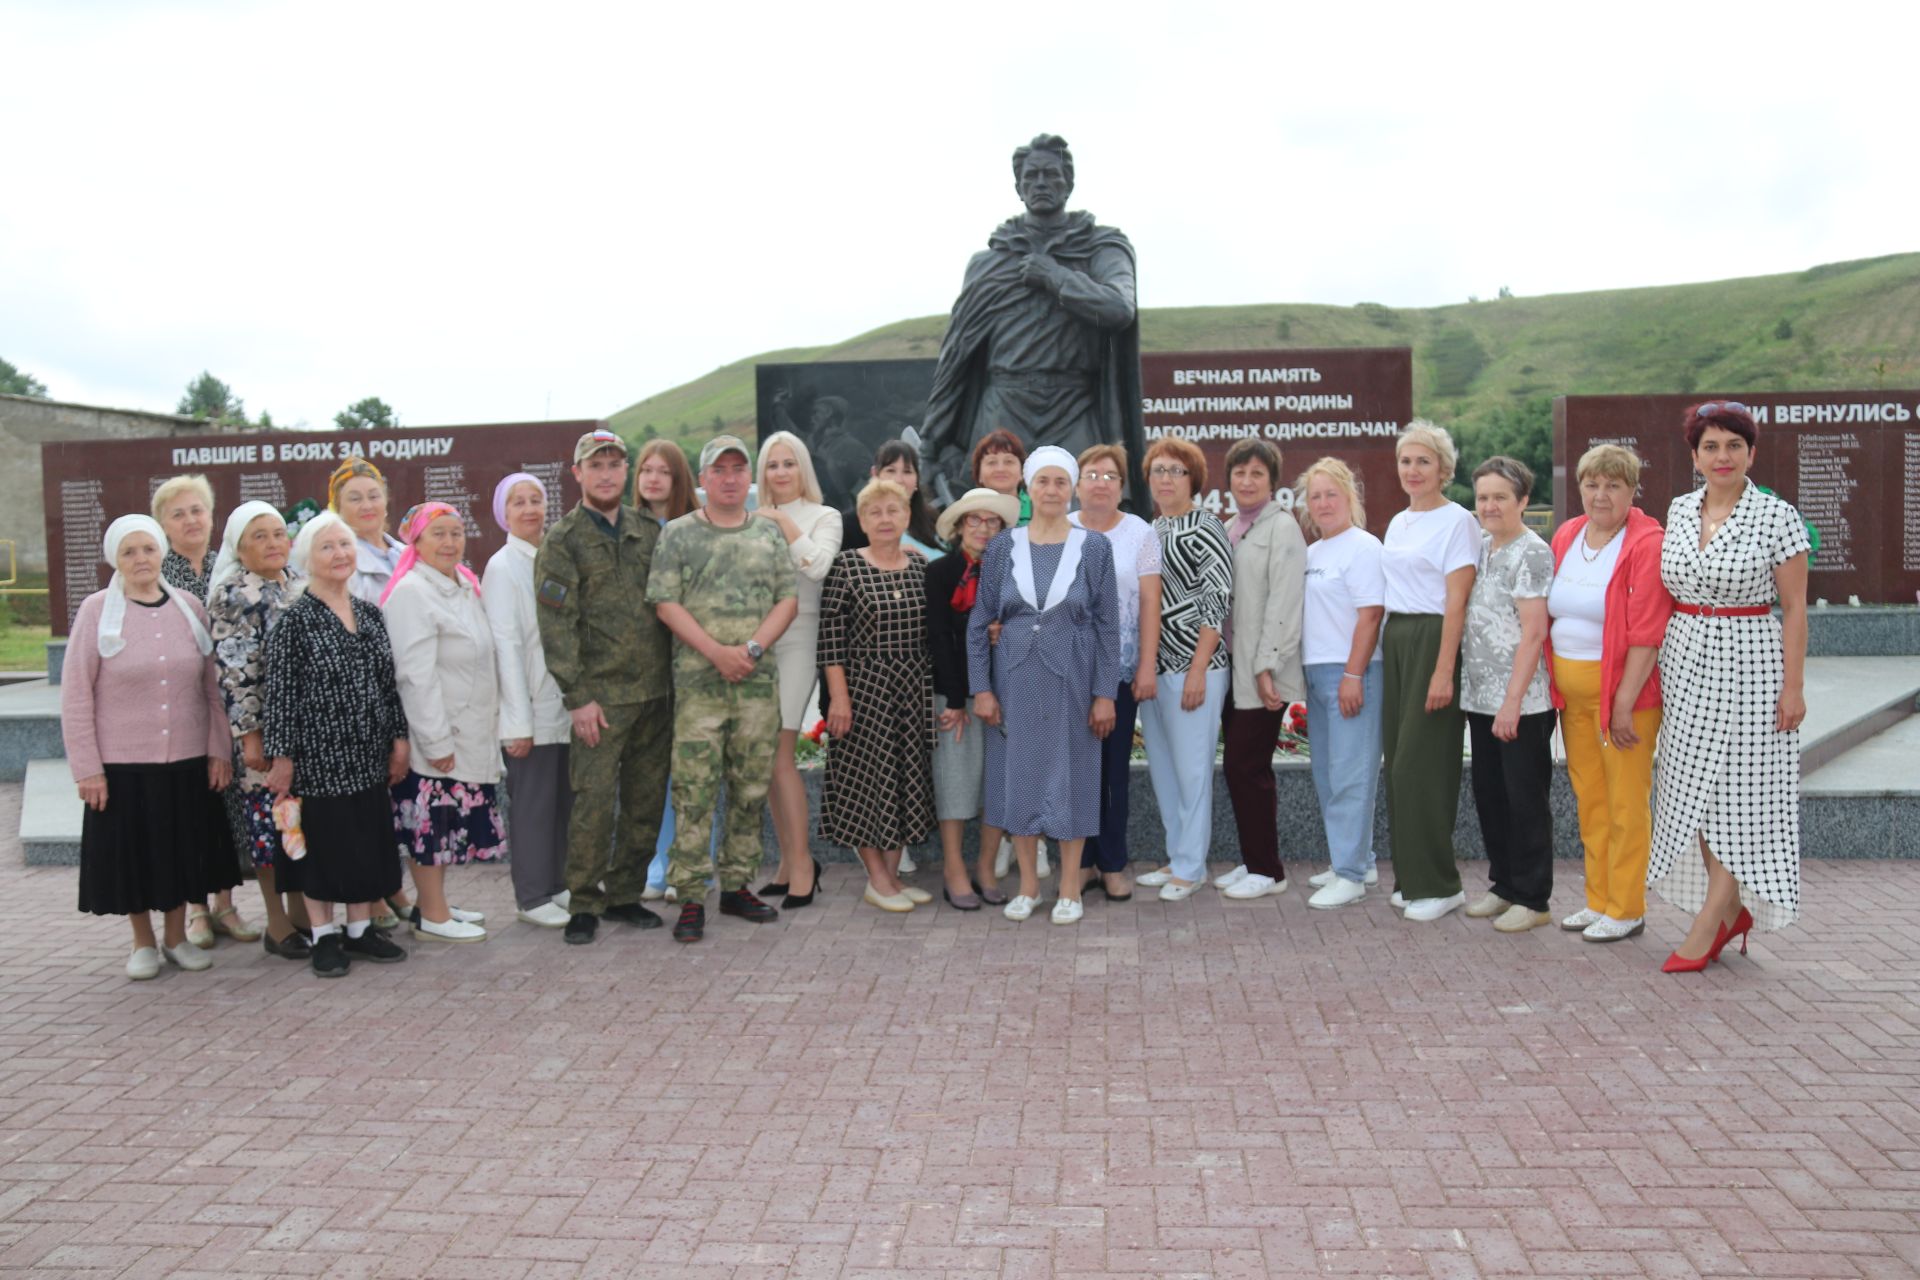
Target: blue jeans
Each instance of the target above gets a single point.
(1180, 764)
(1346, 764)
(657, 869)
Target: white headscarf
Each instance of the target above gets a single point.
(301, 561)
(228, 564)
(1050, 455)
(113, 611)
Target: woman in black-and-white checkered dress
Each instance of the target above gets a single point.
(1726, 838)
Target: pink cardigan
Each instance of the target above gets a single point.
(157, 701)
(1636, 612)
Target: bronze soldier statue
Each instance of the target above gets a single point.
(1045, 336)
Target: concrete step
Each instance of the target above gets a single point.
(29, 726)
(1887, 764)
(50, 811)
(1850, 700)
(1865, 802)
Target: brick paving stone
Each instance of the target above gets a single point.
(1215, 1089)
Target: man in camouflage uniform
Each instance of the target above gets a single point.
(723, 584)
(609, 654)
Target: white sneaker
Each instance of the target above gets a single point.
(1607, 929)
(1020, 908)
(1041, 864)
(448, 930)
(143, 964)
(652, 893)
(672, 894)
(564, 901)
(1171, 892)
(1340, 893)
(1003, 857)
(1328, 876)
(548, 915)
(1487, 906)
(1232, 877)
(1067, 911)
(1254, 886)
(1424, 909)
(1154, 879)
(466, 917)
(1580, 919)
(908, 866)
(188, 957)
(1397, 902)
(1519, 919)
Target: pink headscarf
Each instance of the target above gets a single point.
(505, 487)
(411, 526)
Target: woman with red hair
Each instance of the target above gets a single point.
(1726, 821)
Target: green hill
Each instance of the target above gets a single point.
(1490, 368)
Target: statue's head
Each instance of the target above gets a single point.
(1043, 173)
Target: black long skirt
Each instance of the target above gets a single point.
(350, 851)
(160, 842)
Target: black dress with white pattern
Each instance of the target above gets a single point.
(873, 622)
(333, 705)
(1725, 772)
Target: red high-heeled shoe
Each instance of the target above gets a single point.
(1677, 963)
(1741, 927)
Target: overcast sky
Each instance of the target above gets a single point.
(489, 212)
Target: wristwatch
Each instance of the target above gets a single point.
(754, 650)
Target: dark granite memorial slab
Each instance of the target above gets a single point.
(1848, 460)
(843, 410)
(1344, 402)
(89, 485)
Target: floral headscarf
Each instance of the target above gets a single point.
(412, 525)
(351, 469)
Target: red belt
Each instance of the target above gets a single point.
(1722, 611)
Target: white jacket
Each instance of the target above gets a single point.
(530, 702)
(443, 659)
(372, 568)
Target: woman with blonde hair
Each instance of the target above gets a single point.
(1346, 596)
(1431, 555)
(790, 500)
(184, 507)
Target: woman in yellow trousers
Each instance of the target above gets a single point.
(1608, 612)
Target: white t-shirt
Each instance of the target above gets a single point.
(1578, 602)
(1136, 553)
(1421, 549)
(1343, 577)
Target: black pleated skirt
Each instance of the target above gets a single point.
(350, 850)
(160, 842)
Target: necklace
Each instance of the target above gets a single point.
(1603, 546)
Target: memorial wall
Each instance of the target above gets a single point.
(1848, 460)
(1349, 403)
(88, 485)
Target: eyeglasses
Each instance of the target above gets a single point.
(1722, 406)
(1102, 477)
(1167, 473)
(974, 520)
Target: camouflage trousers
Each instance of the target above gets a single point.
(625, 774)
(721, 733)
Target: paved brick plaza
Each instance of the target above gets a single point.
(1204, 1089)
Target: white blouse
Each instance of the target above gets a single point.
(813, 551)
(530, 702)
(443, 661)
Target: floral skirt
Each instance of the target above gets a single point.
(443, 822)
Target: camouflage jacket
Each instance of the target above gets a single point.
(602, 640)
(728, 579)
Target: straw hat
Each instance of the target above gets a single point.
(992, 501)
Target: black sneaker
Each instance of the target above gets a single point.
(330, 956)
(634, 914)
(581, 928)
(742, 903)
(692, 925)
(376, 946)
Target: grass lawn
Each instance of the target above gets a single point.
(24, 648)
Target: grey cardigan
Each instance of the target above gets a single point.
(1269, 606)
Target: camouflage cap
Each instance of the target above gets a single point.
(594, 441)
(724, 444)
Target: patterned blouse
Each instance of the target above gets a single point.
(1196, 586)
(241, 612)
(177, 571)
(333, 705)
